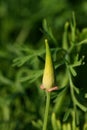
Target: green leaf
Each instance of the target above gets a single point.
(21, 60)
(37, 124)
(29, 75)
(73, 71)
(5, 80)
(66, 115)
(55, 123)
(48, 30)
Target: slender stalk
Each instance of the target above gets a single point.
(73, 99)
(46, 111)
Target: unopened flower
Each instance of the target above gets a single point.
(48, 76)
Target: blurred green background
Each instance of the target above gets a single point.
(21, 33)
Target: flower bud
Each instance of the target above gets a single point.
(48, 76)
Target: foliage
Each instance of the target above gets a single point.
(24, 26)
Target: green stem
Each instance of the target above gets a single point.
(46, 111)
(73, 99)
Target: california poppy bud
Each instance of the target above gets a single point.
(48, 76)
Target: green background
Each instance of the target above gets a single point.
(22, 35)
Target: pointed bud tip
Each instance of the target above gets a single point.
(46, 40)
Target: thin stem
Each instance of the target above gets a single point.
(73, 99)
(46, 111)
(73, 119)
